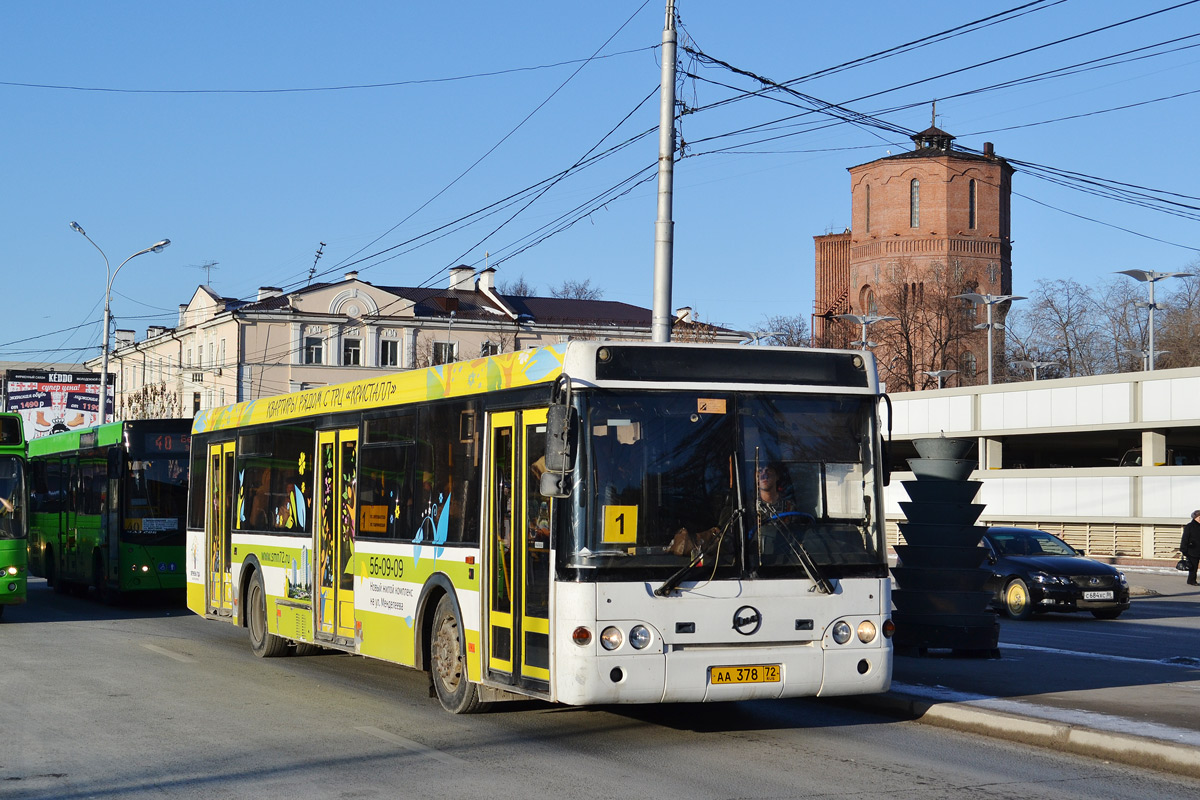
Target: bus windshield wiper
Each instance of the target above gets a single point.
(671, 583)
(806, 561)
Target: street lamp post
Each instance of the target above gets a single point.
(864, 320)
(110, 276)
(1034, 365)
(1150, 277)
(989, 300)
(940, 374)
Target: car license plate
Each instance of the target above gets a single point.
(750, 673)
(1097, 595)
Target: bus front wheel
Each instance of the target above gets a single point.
(263, 643)
(448, 663)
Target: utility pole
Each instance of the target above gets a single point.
(664, 226)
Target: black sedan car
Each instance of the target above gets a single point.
(1034, 571)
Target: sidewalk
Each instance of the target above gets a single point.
(1137, 711)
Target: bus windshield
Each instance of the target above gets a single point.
(749, 485)
(12, 493)
(156, 499)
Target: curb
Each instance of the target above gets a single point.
(1156, 754)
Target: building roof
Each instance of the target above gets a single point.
(933, 142)
(435, 302)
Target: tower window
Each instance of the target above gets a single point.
(971, 205)
(914, 204)
(868, 190)
(969, 365)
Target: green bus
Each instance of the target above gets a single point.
(13, 571)
(106, 507)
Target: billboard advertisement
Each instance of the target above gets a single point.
(51, 402)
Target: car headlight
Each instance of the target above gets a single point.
(611, 638)
(841, 632)
(1049, 580)
(1121, 578)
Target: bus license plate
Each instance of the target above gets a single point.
(1097, 595)
(751, 673)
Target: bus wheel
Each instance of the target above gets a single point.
(306, 649)
(448, 662)
(103, 593)
(263, 643)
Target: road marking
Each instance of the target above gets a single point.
(162, 651)
(416, 747)
(1175, 661)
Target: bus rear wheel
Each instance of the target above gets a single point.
(448, 663)
(263, 643)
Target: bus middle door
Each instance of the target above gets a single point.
(217, 525)
(518, 554)
(334, 533)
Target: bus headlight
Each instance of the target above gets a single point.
(866, 631)
(841, 631)
(611, 638)
(639, 637)
(13, 570)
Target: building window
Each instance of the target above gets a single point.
(868, 205)
(313, 350)
(489, 349)
(389, 353)
(444, 352)
(914, 204)
(195, 402)
(969, 366)
(971, 196)
(351, 352)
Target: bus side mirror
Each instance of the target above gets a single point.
(559, 451)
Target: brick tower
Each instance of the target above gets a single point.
(926, 224)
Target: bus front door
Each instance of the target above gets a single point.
(518, 552)
(217, 521)
(334, 533)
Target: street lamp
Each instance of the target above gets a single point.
(940, 374)
(157, 247)
(989, 300)
(757, 337)
(1033, 365)
(864, 320)
(1150, 277)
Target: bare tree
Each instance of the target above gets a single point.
(152, 401)
(518, 287)
(578, 290)
(1177, 327)
(784, 331)
(931, 330)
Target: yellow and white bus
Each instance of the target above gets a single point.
(591, 522)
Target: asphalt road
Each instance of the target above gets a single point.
(147, 701)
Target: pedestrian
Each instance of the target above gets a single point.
(1190, 546)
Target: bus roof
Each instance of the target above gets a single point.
(592, 363)
(457, 379)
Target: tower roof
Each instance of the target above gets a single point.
(932, 138)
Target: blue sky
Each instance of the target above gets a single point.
(144, 121)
